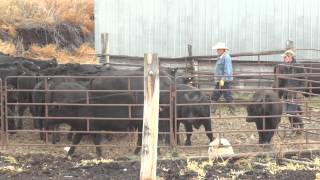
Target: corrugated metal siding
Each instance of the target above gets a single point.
(167, 26)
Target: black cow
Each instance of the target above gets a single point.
(91, 111)
(268, 105)
(17, 69)
(73, 69)
(200, 114)
(41, 64)
(40, 96)
(19, 66)
(117, 83)
(61, 70)
(179, 77)
(25, 64)
(136, 83)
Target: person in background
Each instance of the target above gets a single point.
(223, 77)
(293, 109)
(289, 57)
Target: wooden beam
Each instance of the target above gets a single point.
(104, 57)
(150, 117)
(243, 54)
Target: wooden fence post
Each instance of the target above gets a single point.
(195, 65)
(104, 58)
(150, 117)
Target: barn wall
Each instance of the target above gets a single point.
(167, 26)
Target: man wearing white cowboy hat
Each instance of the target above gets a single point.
(293, 109)
(289, 56)
(223, 76)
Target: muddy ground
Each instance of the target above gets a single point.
(46, 166)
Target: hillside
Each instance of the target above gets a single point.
(63, 29)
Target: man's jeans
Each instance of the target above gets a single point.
(227, 95)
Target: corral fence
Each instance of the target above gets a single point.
(249, 77)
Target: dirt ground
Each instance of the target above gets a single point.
(46, 166)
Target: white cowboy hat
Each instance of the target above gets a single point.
(288, 52)
(220, 45)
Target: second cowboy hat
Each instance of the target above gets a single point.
(288, 52)
(220, 45)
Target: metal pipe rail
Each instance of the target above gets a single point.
(218, 121)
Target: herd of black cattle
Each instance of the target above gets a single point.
(109, 86)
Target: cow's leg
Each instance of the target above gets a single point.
(207, 127)
(268, 136)
(291, 121)
(11, 124)
(189, 130)
(76, 140)
(97, 140)
(70, 134)
(41, 126)
(261, 135)
(36, 122)
(296, 122)
(40, 111)
(139, 142)
(177, 133)
(299, 120)
(21, 110)
(55, 135)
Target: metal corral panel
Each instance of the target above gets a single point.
(167, 26)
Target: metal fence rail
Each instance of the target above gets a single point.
(242, 135)
(88, 102)
(285, 134)
(2, 125)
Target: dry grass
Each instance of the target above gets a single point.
(46, 12)
(84, 54)
(7, 48)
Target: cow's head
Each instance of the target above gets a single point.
(257, 108)
(30, 66)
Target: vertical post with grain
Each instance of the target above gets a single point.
(150, 117)
(104, 57)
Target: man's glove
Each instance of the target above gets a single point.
(221, 83)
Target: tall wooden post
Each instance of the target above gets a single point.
(150, 117)
(194, 67)
(104, 58)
